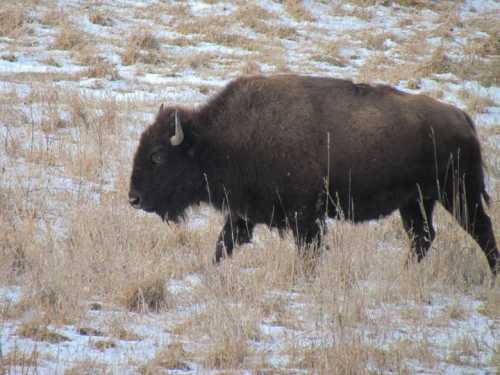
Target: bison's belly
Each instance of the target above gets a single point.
(371, 205)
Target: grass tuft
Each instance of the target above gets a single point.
(12, 20)
(172, 357)
(69, 37)
(16, 359)
(298, 10)
(148, 295)
(103, 345)
(38, 331)
(100, 18)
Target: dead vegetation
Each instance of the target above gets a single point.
(142, 46)
(53, 16)
(99, 67)
(13, 20)
(19, 360)
(100, 18)
(86, 367)
(69, 37)
(68, 236)
(150, 295)
(37, 331)
(297, 10)
(475, 103)
(103, 345)
(172, 357)
(331, 53)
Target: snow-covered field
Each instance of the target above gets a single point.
(89, 285)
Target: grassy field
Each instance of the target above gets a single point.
(89, 285)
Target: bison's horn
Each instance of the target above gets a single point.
(178, 137)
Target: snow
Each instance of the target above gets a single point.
(29, 66)
(183, 88)
(10, 294)
(482, 6)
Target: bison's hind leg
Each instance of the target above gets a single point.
(417, 221)
(465, 204)
(236, 231)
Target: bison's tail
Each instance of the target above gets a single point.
(482, 166)
(469, 121)
(486, 198)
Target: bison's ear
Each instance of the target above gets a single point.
(160, 111)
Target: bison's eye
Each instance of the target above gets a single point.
(158, 157)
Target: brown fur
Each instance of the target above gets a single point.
(262, 146)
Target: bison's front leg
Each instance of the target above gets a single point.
(235, 232)
(309, 241)
(308, 233)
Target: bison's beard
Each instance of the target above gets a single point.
(170, 217)
(172, 214)
(173, 205)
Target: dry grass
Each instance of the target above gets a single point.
(379, 68)
(148, 295)
(217, 29)
(9, 57)
(69, 238)
(470, 66)
(495, 360)
(54, 16)
(118, 330)
(38, 331)
(69, 37)
(456, 311)
(172, 357)
(330, 53)
(130, 56)
(263, 21)
(491, 304)
(13, 20)
(100, 18)
(103, 345)
(439, 62)
(101, 68)
(349, 358)
(297, 10)
(89, 331)
(19, 361)
(475, 103)
(51, 62)
(250, 68)
(142, 46)
(143, 40)
(87, 367)
(196, 61)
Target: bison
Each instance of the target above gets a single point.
(289, 151)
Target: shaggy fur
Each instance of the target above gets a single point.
(288, 150)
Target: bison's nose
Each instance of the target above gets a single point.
(134, 199)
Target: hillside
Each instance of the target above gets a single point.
(88, 285)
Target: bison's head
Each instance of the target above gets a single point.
(166, 178)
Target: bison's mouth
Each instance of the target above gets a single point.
(142, 206)
(168, 209)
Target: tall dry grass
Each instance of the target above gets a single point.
(13, 20)
(76, 240)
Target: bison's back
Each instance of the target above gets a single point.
(288, 133)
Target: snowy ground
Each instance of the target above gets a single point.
(70, 118)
